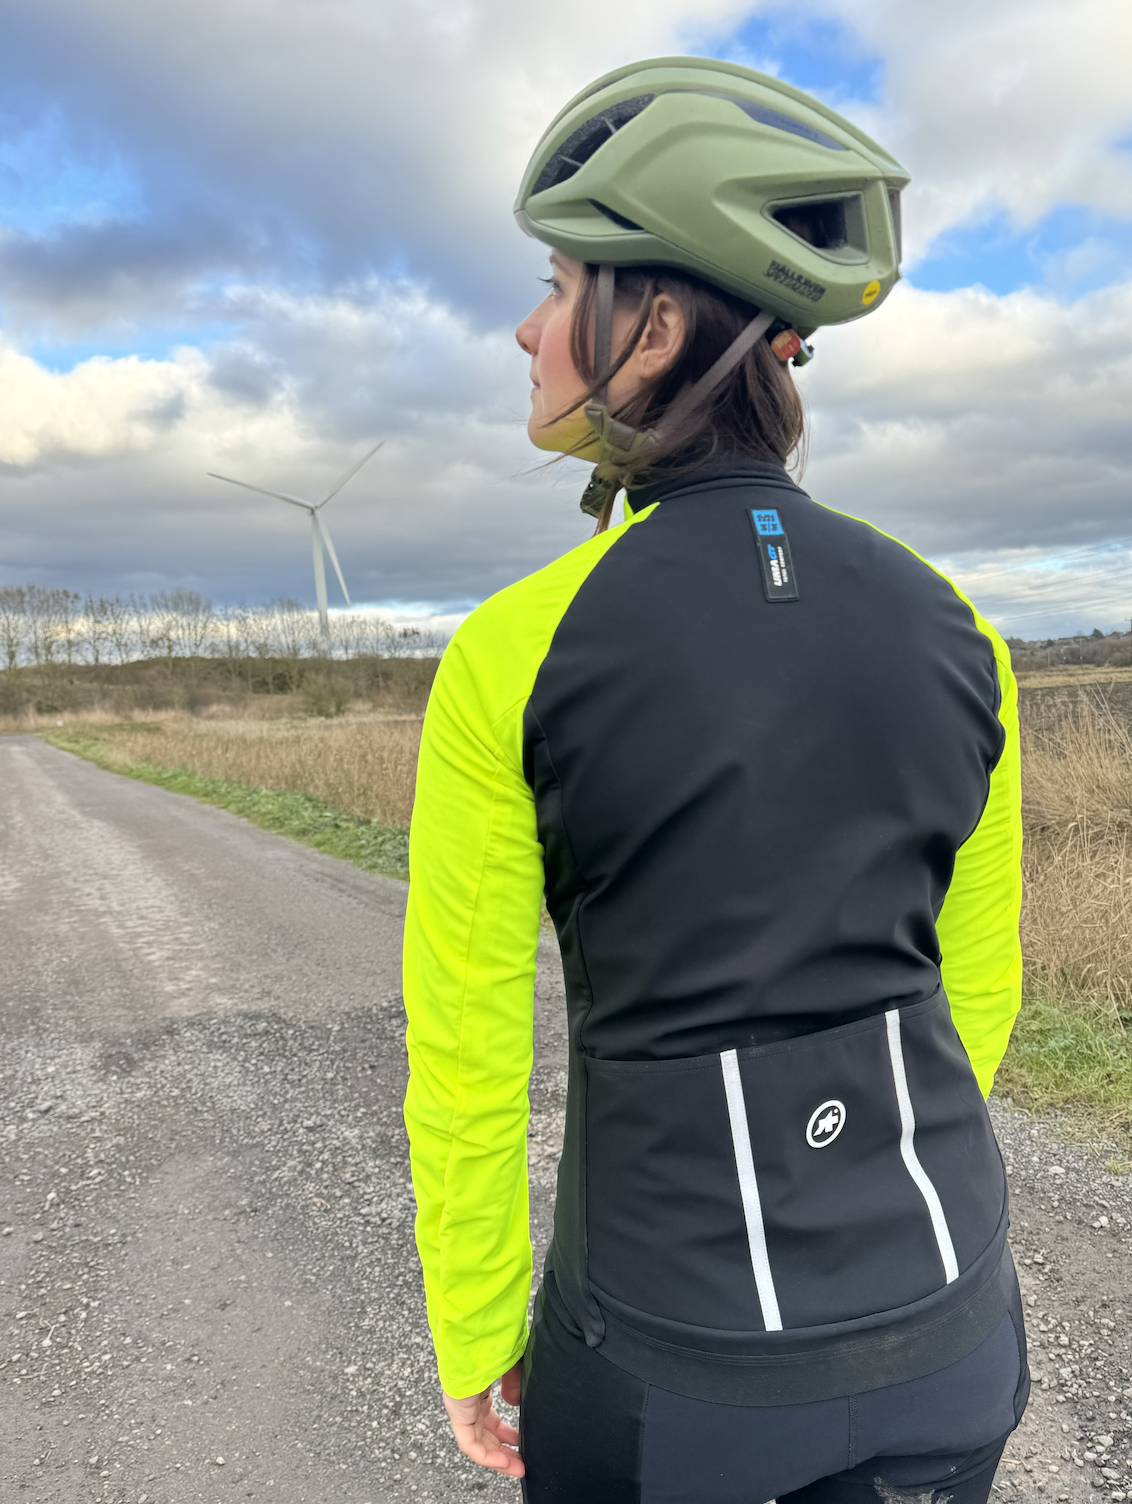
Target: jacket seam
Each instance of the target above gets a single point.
(996, 706)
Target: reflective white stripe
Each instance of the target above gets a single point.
(749, 1190)
(908, 1149)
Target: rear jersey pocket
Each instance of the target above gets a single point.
(805, 1183)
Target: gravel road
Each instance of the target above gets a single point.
(208, 1287)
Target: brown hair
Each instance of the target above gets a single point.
(756, 411)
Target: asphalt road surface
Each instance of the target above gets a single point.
(208, 1286)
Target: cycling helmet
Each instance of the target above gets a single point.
(726, 173)
(730, 174)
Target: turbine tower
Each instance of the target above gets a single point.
(320, 537)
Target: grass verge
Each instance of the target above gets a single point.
(367, 843)
(1076, 1064)
(346, 789)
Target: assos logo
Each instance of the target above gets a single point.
(826, 1122)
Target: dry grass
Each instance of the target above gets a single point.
(1072, 1050)
(1077, 783)
(1077, 810)
(362, 765)
(1062, 675)
(252, 708)
(1072, 1047)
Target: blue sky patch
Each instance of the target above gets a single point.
(819, 55)
(1072, 251)
(45, 183)
(150, 343)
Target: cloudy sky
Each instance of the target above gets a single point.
(256, 236)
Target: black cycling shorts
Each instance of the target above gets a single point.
(591, 1433)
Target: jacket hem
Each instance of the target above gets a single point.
(797, 1367)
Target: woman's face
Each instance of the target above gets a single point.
(555, 382)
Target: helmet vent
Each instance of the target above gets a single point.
(580, 146)
(833, 226)
(897, 229)
(618, 219)
(780, 122)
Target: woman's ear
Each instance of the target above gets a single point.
(662, 339)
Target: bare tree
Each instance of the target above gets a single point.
(92, 627)
(194, 615)
(145, 629)
(348, 636)
(163, 622)
(67, 606)
(227, 633)
(43, 626)
(292, 626)
(43, 622)
(257, 626)
(13, 624)
(405, 643)
(119, 615)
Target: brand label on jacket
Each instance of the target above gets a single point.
(826, 1122)
(779, 583)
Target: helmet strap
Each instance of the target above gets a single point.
(620, 442)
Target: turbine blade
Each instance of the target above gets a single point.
(349, 475)
(325, 531)
(247, 485)
(320, 579)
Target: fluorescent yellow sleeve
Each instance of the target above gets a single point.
(471, 935)
(978, 925)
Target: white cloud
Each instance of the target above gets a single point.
(962, 422)
(1031, 594)
(107, 462)
(101, 408)
(291, 141)
(307, 141)
(325, 191)
(963, 419)
(1015, 104)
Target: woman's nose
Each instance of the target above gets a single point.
(527, 336)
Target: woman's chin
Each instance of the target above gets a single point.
(544, 438)
(571, 436)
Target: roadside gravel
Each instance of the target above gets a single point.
(1071, 1232)
(208, 1286)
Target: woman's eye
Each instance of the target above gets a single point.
(551, 282)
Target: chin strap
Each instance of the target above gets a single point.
(620, 442)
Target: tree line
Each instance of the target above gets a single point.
(41, 626)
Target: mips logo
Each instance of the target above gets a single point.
(826, 1122)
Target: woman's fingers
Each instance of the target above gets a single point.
(479, 1445)
(483, 1436)
(501, 1429)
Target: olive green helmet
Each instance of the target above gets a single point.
(729, 174)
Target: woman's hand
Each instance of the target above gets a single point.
(481, 1434)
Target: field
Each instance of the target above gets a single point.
(1072, 1050)
(345, 784)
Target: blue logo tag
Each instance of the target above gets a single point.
(773, 548)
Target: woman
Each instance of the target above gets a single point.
(763, 762)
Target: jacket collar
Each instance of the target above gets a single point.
(723, 468)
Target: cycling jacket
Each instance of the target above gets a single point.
(763, 761)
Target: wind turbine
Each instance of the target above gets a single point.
(320, 536)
